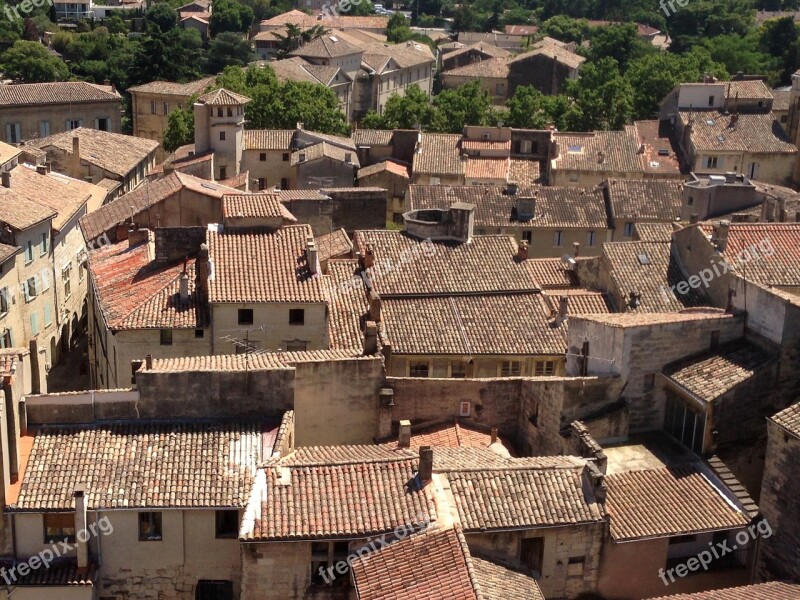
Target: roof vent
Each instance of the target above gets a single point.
(644, 259)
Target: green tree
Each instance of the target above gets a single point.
(526, 109)
(10, 31)
(603, 98)
(163, 16)
(411, 111)
(228, 48)
(115, 24)
(620, 42)
(180, 129)
(362, 9)
(30, 62)
(229, 15)
(295, 37)
(470, 104)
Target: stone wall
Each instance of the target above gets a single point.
(780, 506)
(275, 571)
(80, 407)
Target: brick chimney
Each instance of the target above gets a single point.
(404, 437)
(370, 338)
(184, 286)
(522, 251)
(494, 434)
(137, 236)
(563, 309)
(41, 169)
(148, 362)
(312, 256)
(721, 231)
(201, 269)
(75, 158)
(81, 529)
(425, 471)
(369, 257)
(374, 306)
(7, 179)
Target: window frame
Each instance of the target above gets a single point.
(243, 312)
(155, 520)
(417, 367)
(64, 522)
(165, 337)
(297, 316)
(219, 518)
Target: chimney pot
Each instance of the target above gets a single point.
(522, 251)
(404, 437)
(41, 169)
(563, 307)
(425, 472)
(312, 256)
(148, 362)
(7, 179)
(184, 287)
(136, 236)
(374, 306)
(577, 246)
(694, 218)
(494, 434)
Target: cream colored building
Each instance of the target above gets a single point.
(219, 128)
(37, 110)
(152, 102)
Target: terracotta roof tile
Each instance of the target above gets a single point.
(748, 89)
(667, 502)
(493, 68)
(62, 572)
(484, 48)
(452, 433)
(326, 46)
(408, 266)
(388, 166)
(581, 301)
(524, 172)
(263, 267)
(20, 210)
(710, 376)
(754, 133)
(599, 151)
(7, 252)
(223, 97)
(304, 20)
(555, 53)
(778, 249)
(142, 466)
(773, 590)
(499, 583)
(255, 361)
(348, 305)
(623, 320)
(373, 137)
(644, 199)
(169, 88)
(263, 204)
(550, 274)
(62, 92)
(439, 154)
(653, 232)
(657, 152)
(782, 100)
(8, 152)
(487, 168)
(324, 150)
(268, 139)
(334, 244)
(789, 419)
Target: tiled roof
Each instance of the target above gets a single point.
(7, 252)
(499, 583)
(324, 150)
(667, 502)
(388, 166)
(262, 267)
(493, 68)
(360, 499)
(710, 376)
(169, 88)
(348, 305)
(773, 590)
(754, 133)
(581, 301)
(62, 92)
(524, 172)
(333, 244)
(134, 293)
(434, 565)
(289, 195)
(556, 207)
(149, 194)
(453, 433)
(781, 100)
(521, 29)
(113, 152)
(304, 20)
(484, 48)
(645, 199)
(268, 139)
(780, 268)
(553, 52)
(653, 232)
(487, 168)
(439, 154)
(749, 89)
(650, 269)
(599, 151)
(256, 361)
(326, 46)
(789, 419)
(263, 204)
(404, 55)
(8, 152)
(223, 97)
(472, 325)
(549, 273)
(657, 152)
(623, 320)
(475, 144)
(523, 496)
(62, 572)
(142, 466)
(485, 266)
(373, 137)
(299, 69)
(34, 198)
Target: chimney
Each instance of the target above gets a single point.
(148, 362)
(75, 159)
(184, 287)
(577, 246)
(201, 269)
(48, 165)
(494, 435)
(137, 236)
(694, 218)
(404, 437)
(82, 547)
(312, 256)
(781, 209)
(721, 234)
(522, 251)
(734, 120)
(299, 126)
(596, 480)
(768, 210)
(369, 257)
(348, 158)
(41, 169)
(425, 471)
(7, 179)
(374, 306)
(563, 309)
(370, 338)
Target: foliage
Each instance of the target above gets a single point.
(163, 16)
(30, 62)
(227, 49)
(296, 37)
(229, 15)
(180, 128)
(603, 98)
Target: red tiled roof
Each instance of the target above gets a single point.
(487, 168)
(789, 419)
(61, 92)
(774, 590)
(263, 204)
(334, 244)
(778, 249)
(348, 305)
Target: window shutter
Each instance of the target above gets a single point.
(34, 323)
(97, 123)
(17, 133)
(47, 319)
(67, 124)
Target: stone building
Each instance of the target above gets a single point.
(547, 68)
(219, 128)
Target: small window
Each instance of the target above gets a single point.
(527, 236)
(59, 527)
(286, 157)
(220, 112)
(43, 244)
(284, 183)
(28, 252)
(558, 239)
(296, 346)
(690, 202)
(227, 526)
(150, 527)
(199, 334)
(166, 337)
(135, 366)
(418, 369)
(711, 100)
(628, 232)
(166, 108)
(66, 277)
(262, 183)
(297, 316)
(245, 316)
(545, 367)
(458, 369)
(223, 173)
(31, 290)
(152, 107)
(262, 157)
(682, 539)
(214, 590)
(590, 239)
(510, 368)
(712, 162)
(649, 381)
(5, 301)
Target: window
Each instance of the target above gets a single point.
(43, 245)
(297, 316)
(5, 300)
(711, 162)
(230, 111)
(286, 157)
(435, 180)
(329, 554)
(5, 339)
(166, 337)
(227, 525)
(152, 107)
(545, 367)
(684, 422)
(628, 231)
(221, 136)
(649, 381)
(150, 527)
(214, 590)
(262, 183)
(28, 252)
(223, 172)
(525, 147)
(527, 236)
(31, 290)
(458, 369)
(558, 239)
(59, 527)
(711, 100)
(262, 157)
(71, 124)
(590, 239)
(690, 201)
(13, 133)
(418, 369)
(199, 334)
(166, 108)
(66, 273)
(103, 124)
(135, 366)
(500, 89)
(245, 316)
(510, 368)
(284, 183)
(44, 128)
(296, 346)
(219, 111)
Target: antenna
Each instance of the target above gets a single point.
(248, 349)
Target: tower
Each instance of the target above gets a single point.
(219, 127)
